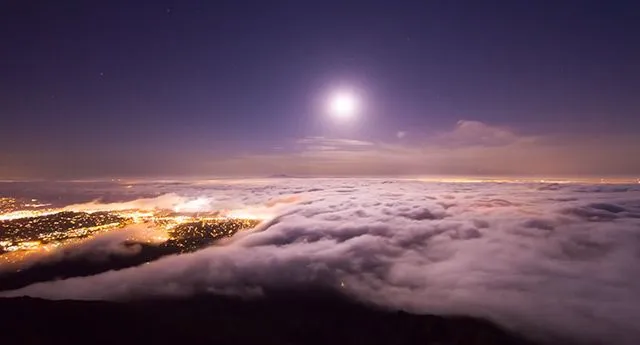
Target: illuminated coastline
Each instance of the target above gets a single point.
(24, 232)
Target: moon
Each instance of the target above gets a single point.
(343, 105)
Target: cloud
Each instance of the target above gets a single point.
(474, 133)
(166, 201)
(310, 144)
(401, 134)
(470, 148)
(556, 261)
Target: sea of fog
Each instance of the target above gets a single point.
(546, 259)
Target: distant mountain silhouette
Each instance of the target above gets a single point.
(281, 176)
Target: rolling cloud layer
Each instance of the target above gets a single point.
(558, 260)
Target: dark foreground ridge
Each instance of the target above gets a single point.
(282, 318)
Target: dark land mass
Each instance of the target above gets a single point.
(82, 265)
(281, 176)
(284, 317)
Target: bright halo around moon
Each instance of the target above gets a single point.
(343, 105)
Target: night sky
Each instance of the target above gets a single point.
(209, 88)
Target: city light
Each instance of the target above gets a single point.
(186, 227)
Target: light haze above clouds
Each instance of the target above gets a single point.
(469, 148)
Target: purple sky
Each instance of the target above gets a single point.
(203, 88)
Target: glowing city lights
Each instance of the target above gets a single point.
(187, 226)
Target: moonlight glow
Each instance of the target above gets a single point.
(343, 105)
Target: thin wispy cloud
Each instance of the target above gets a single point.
(469, 148)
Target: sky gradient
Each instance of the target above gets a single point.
(207, 88)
